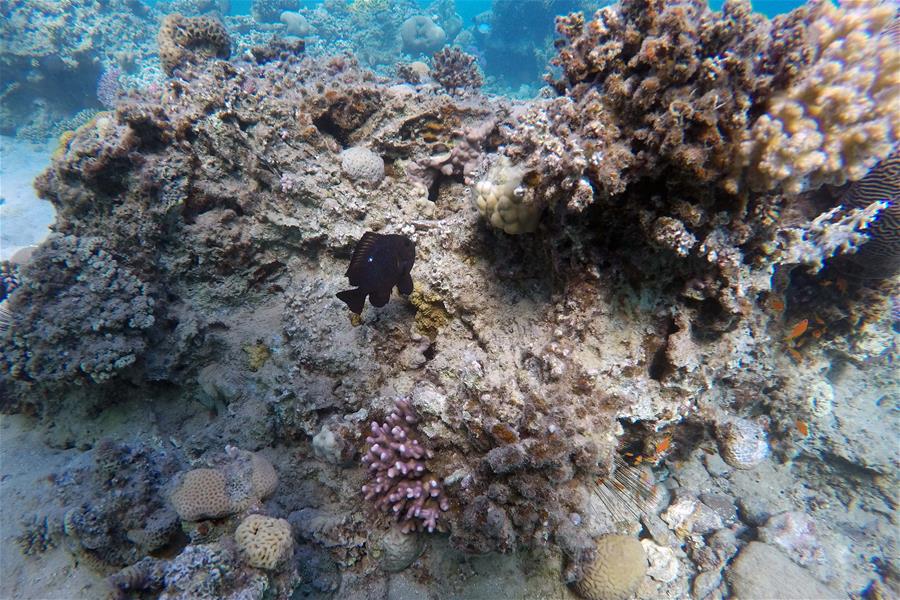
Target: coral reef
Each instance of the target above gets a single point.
(558, 386)
(53, 56)
(400, 481)
(455, 70)
(191, 40)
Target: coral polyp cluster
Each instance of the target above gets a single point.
(400, 482)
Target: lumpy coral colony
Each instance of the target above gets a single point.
(606, 278)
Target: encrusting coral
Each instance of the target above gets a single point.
(400, 483)
(191, 40)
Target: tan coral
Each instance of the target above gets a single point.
(201, 494)
(264, 542)
(504, 202)
(836, 123)
(616, 571)
(263, 476)
(185, 40)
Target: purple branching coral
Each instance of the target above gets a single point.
(400, 481)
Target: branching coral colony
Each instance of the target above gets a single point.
(701, 127)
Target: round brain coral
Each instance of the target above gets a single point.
(202, 494)
(616, 571)
(420, 35)
(264, 542)
(361, 164)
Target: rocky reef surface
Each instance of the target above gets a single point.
(633, 319)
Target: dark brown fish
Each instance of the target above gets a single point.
(379, 263)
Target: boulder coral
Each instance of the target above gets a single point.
(420, 35)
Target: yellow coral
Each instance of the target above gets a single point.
(836, 123)
(430, 312)
(617, 570)
(264, 542)
(257, 355)
(202, 494)
(505, 202)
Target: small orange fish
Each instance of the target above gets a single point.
(797, 330)
(663, 445)
(802, 427)
(795, 355)
(818, 333)
(776, 304)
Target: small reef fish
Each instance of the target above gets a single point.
(797, 330)
(379, 263)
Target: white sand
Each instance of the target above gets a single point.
(24, 219)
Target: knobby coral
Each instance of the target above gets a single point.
(400, 482)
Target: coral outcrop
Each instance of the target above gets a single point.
(616, 571)
(93, 317)
(191, 40)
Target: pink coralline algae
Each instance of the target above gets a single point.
(400, 482)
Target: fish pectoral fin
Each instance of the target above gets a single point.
(354, 299)
(405, 285)
(380, 297)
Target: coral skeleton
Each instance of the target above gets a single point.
(400, 481)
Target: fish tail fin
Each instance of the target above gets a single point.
(354, 299)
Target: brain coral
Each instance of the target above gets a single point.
(184, 40)
(201, 495)
(420, 35)
(264, 542)
(214, 493)
(836, 123)
(361, 164)
(616, 571)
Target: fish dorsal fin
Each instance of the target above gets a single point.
(362, 250)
